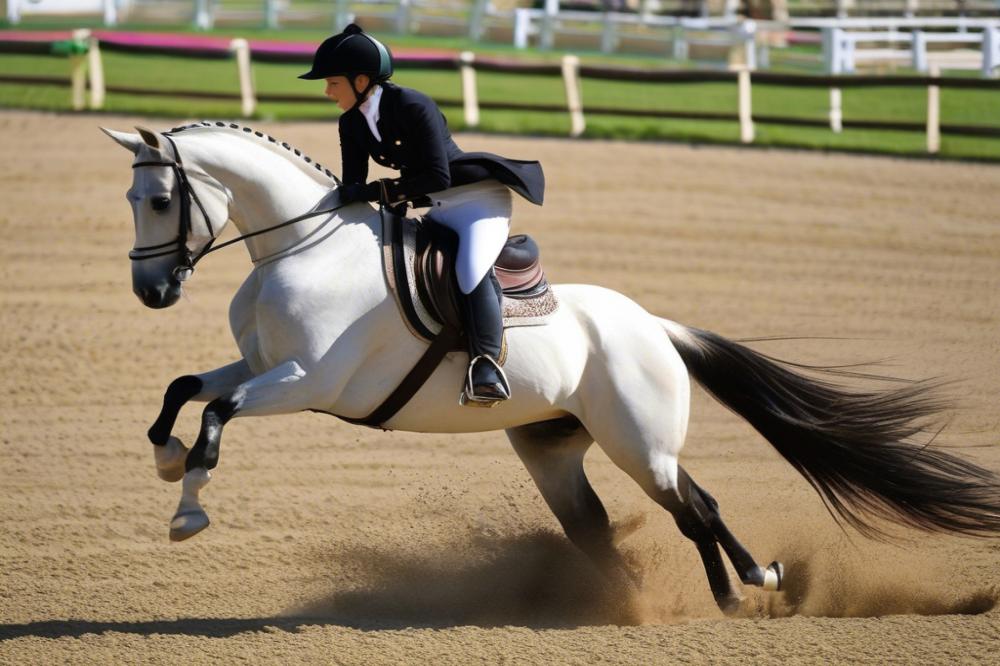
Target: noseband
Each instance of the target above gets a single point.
(188, 195)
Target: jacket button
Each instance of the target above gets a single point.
(398, 142)
(381, 157)
(392, 166)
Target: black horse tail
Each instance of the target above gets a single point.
(855, 448)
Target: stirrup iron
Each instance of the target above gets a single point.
(469, 397)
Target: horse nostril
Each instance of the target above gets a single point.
(146, 294)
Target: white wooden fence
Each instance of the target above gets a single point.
(841, 53)
(87, 71)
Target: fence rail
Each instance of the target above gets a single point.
(87, 68)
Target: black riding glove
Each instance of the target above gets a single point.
(360, 192)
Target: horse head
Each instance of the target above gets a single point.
(178, 210)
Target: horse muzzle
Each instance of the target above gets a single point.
(158, 295)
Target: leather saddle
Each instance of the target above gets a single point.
(419, 261)
(518, 270)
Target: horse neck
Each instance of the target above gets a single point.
(266, 189)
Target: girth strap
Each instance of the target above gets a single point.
(443, 343)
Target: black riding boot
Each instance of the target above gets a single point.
(485, 382)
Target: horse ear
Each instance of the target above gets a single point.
(151, 138)
(129, 141)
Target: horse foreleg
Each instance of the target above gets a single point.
(169, 452)
(270, 393)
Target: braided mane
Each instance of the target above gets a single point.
(313, 168)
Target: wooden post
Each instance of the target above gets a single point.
(918, 50)
(403, 17)
(680, 45)
(991, 51)
(933, 114)
(78, 71)
(609, 35)
(574, 100)
(476, 15)
(248, 98)
(522, 27)
(204, 18)
(836, 114)
(470, 96)
(547, 38)
(110, 13)
(271, 14)
(95, 72)
(341, 15)
(748, 34)
(746, 112)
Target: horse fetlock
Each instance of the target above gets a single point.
(170, 459)
(773, 576)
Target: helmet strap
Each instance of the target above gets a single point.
(360, 97)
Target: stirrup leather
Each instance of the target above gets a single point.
(468, 395)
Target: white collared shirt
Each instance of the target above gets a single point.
(369, 109)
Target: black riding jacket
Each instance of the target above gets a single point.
(416, 141)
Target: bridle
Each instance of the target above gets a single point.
(179, 244)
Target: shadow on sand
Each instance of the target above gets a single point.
(537, 580)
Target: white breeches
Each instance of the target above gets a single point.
(480, 214)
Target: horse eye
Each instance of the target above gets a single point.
(160, 203)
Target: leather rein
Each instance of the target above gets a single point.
(179, 244)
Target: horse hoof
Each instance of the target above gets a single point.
(730, 605)
(773, 575)
(170, 459)
(188, 523)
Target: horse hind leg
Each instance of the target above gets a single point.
(750, 573)
(553, 452)
(693, 517)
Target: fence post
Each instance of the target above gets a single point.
(476, 15)
(110, 13)
(403, 17)
(748, 31)
(918, 49)
(680, 45)
(549, 24)
(470, 96)
(836, 114)
(574, 99)
(248, 99)
(522, 26)
(609, 35)
(933, 114)
(78, 71)
(13, 11)
(271, 13)
(831, 50)
(203, 15)
(746, 112)
(991, 51)
(95, 72)
(341, 17)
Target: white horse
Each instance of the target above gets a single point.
(318, 329)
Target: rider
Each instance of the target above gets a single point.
(469, 193)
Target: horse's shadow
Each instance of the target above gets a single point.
(537, 580)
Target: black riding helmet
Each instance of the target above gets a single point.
(350, 53)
